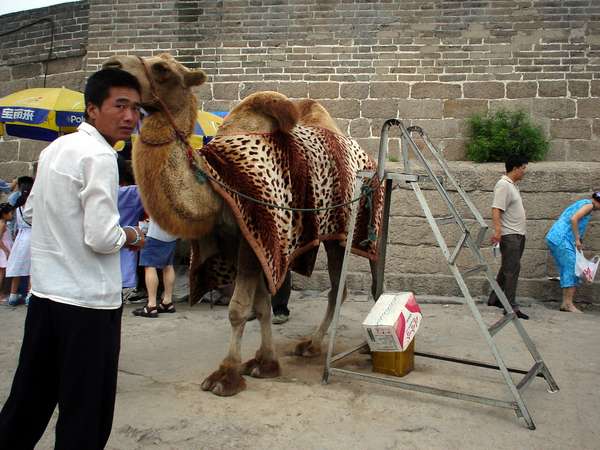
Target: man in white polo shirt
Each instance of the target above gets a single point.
(508, 217)
(71, 343)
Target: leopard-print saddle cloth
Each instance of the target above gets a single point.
(308, 168)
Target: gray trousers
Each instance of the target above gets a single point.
(511, 249)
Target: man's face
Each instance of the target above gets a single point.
(520, 172)
(116, 118)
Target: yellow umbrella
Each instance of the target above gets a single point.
(41, 113)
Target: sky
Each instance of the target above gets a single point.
(9, 6)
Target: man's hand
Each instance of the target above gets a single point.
(135, 239)
(496, 237)
(578, 244)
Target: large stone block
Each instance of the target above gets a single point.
(360, 128)
(454, 149)
(462, 108)
(583, 150)
(558, 108)
(27, 70)
(519, 89)
(571, 129)
(420, 109)
(379, 108)
(552, 88)
(389, 90)
(294, 89)
(14, 169)
(225, 91)
(435, 90)
(8, 87)
(344, 109)
(354, 90)
(520, 104)
(323, 90)
(588, 108)
(492, 89)
(30, 150)
(595, 88)
(579, 88)
(9, 151)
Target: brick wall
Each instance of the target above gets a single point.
(430, 62)
(24, 62)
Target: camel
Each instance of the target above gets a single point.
(184, 204)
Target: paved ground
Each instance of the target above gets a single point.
(160, 404)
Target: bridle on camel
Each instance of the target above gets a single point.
(202, 176)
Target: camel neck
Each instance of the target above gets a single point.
(158, 129)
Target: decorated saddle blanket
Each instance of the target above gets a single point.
(310, 169)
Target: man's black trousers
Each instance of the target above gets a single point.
(69, 356)
(511, 249)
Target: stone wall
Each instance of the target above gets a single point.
(26, 62)
(430, 62)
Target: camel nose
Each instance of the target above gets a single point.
(112, 63)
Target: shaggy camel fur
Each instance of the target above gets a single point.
(187, 208)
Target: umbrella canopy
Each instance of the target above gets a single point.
(41, 113)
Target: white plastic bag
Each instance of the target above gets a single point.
(586, 269)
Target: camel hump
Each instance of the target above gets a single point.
(274, 105)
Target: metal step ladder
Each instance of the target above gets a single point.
(468, 239)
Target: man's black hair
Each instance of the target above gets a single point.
(98, 85)
(24, 180)
(5, 208)
(515, 161)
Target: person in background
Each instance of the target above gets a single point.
(158, 253)
(508, 218)
(564, 239)
(72, 335)
(5, 187)
(24, 183)
(279, 302)
(131, 211)
(6, 214)
(19, 261)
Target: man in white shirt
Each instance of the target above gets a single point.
(70, 350)
(508, 218)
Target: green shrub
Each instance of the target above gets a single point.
(504, 133)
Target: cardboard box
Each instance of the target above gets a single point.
(393, 322)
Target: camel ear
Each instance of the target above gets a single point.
(194, 78)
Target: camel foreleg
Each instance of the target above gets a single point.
(228, 380)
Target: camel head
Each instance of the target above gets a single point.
(172, 81)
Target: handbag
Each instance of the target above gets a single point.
(586, 269)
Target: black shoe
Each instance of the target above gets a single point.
(521, 315)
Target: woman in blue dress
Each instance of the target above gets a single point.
(564, 238)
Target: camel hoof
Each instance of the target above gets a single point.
(307, 349)
(224, 382)
(258, 368)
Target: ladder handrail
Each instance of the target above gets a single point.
(444, 165)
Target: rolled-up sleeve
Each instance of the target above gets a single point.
(98, 196)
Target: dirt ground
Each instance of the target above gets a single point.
(160, 404)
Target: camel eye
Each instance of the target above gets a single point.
(161, 70)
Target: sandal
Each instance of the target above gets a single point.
(166, 307)
(146, 311)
